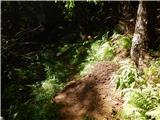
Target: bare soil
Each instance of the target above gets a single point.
(94, 95)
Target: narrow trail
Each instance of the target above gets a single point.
(93, 95)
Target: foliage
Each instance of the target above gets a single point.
(126, 75)
(105, 49)
(78, 58)
(152, 73)
(142, 103)
(141, 95)
(99, 50)
(43, 94)
(124, 42)
(69, 6)
(154, 113)
(42, 50)
(36, 82)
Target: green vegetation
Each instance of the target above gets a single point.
(140, 89)
(79, 58)
(105, 49)
(47, 44)
(126, 75)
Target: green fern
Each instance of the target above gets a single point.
(126, 75)
(141, 102)
(154, 113)
(137, 99)
(152, 73)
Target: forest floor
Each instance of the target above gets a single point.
(94, 96)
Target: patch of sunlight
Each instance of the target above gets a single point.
(95, 46)
(131, 112)
(105, 51)
(141, 102)
(126, 75)
(124, 42)
(87, 68)
(152, 73)
(14, 116)
(154, 113)
(1, 118)
(47, 89)
(115, 36)
(47, 85)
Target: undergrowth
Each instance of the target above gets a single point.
(140, 91)
(104, 49)
(69, 59)
(140, 88)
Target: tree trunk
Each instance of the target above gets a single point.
(142, 34)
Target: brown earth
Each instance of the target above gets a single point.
(94, 95)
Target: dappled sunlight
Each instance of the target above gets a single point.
(140, 89)
(93, 95)
(86, 60)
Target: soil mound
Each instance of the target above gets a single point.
(94, 95)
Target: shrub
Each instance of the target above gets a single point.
(126, 75)
(141, 103)
(140, 90)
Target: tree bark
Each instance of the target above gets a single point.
(142, 35)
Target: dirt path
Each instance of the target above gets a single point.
(93, 95)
